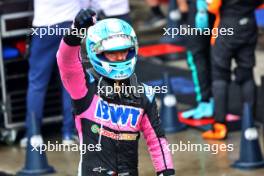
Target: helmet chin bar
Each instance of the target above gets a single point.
(121, 78)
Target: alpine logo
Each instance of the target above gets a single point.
(117, 114)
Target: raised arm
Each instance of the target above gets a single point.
(70, 66)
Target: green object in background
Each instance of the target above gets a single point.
(193, 68)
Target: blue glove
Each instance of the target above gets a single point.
(201, 18)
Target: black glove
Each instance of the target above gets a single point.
(184, 17)
(83, 20)
(168, 172)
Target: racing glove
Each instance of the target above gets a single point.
(169, 172)
(83, 20)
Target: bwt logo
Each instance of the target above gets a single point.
(117, 114)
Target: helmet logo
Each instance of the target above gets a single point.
(106, 66)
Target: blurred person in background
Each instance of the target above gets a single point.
(240, 16)
(156, 18)
(42, 61)
(195, 15)
(112, 9)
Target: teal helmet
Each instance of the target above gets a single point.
(112, 35)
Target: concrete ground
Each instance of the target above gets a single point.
(187, 163)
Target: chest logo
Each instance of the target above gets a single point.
(117, 114)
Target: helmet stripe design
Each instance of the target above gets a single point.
(112, 35)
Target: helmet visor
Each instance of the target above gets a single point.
(114, 43)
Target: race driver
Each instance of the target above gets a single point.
(111, 121)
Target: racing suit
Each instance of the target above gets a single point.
(239, 15)
(111, 121)
(200, 63)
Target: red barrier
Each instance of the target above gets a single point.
(164, 1)
(261, 6)
(159, 49)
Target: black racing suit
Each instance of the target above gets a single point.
(110, 122)
(239, 15)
